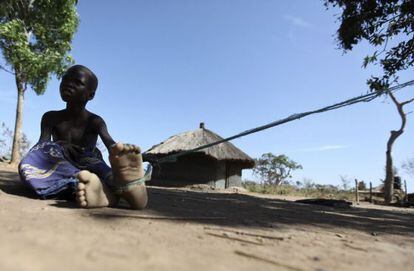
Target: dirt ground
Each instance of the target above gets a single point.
(198, 230)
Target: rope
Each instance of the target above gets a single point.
(363, 98)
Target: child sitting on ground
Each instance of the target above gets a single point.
(66, 157)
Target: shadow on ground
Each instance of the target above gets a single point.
(10, 184)
(239, 210)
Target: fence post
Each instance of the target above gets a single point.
(370, 192)
(356, 192)
(406, 192)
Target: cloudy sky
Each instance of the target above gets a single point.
(164, 66)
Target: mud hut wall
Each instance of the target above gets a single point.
(188, 170)
(221, 176)
(234, 173)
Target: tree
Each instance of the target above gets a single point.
(274, 169)
(35, 38)
(381, 22)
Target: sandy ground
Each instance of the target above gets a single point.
(194, 230)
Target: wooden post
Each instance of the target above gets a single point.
(406, 192)
(356, 192)
(370, 192)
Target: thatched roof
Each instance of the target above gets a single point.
(193, 139)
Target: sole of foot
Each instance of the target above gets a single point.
(126, 163)
(91, 193)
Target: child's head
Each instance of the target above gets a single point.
(78, 84)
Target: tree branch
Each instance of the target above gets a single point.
(400, 111)
(407, 102)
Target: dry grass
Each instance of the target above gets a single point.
(315, 191)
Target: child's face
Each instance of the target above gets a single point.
(75, 86)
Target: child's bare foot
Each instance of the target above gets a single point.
(91, 193)
(126, 162)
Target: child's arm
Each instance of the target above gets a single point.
(45, 128)
(103, 133)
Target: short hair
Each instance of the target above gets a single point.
(93, 80)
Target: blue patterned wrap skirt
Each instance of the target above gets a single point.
(51, 167)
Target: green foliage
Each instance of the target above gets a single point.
(378, 22)
(274, 169)
(35, 37)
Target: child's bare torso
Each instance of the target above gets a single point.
(82, 129)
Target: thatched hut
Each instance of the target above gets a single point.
(219, 166)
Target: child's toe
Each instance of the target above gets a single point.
(84, 175)
(127, 148)
(117, 148)
(136, 149)
(81, 187)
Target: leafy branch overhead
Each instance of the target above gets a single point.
(387, 25)
(35, 37)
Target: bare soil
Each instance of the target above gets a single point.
(184, 229)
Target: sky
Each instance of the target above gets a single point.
(165, 66)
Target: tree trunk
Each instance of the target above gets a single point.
(15, 157)
(389, 170)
